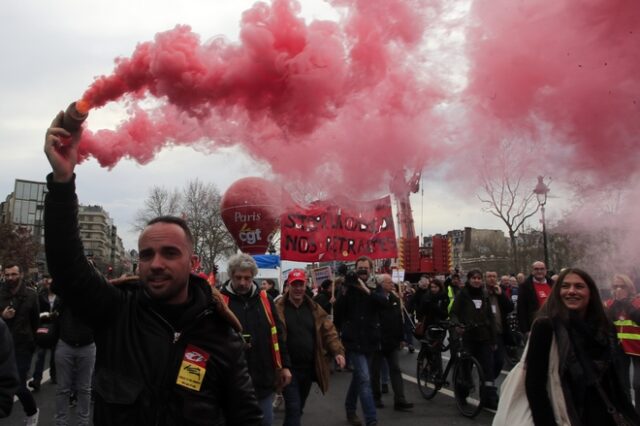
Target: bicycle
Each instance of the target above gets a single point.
(514, 351)
(468, 377)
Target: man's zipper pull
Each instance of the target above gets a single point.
(176, 336)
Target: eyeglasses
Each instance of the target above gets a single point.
(619, 286)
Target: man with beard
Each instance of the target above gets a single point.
(20, 310)
(357, 315)
(166, 349)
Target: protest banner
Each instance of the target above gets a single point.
(339, 230)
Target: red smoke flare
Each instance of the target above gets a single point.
(323, 100)
(348, 101)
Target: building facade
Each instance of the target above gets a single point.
(24, 207)
(100, 238)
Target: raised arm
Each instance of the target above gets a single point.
(82, 287)
(61, 148)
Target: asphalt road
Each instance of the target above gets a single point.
(321, 410)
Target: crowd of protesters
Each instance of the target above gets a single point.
(167, 348)
(287, 342)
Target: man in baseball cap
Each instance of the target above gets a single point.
(306, 323)
(297, 275)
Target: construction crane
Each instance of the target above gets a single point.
(415, 260)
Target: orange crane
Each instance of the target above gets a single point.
(416, 260)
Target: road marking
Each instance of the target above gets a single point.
(444, 391)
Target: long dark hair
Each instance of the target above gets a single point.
(554, 307)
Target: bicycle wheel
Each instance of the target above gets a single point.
(425, 376)
(467, 380)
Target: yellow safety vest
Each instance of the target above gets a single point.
(628, 332)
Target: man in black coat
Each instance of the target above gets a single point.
(392, 334)
(266, 352)
(49, 307)
(166, 349)
(501, 306)
(532, 293)
(19, 309)
(9, 380)
(357, 315)
(324, 298)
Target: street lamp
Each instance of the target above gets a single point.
(541, 190)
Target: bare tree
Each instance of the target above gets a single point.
(199, 205)
(18, 245)
(508, 195)
(161, 202)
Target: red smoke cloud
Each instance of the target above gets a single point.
(564, 77)
(349, 103)
(324, 101)
(566, 72)
(345, 105)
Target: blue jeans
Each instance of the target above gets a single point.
(266, 405)
(23, 365)
(295, 395)
(74, 367)
(360, 386)
(41, 354)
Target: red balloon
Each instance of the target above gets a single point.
(250, 210)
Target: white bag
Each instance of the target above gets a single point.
(513, 406)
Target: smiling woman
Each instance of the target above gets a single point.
(573, 324)
(575, 294)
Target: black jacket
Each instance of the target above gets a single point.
(323, 298)
(357, 316)
(391, 325)
(527, 306)
(254, 322)
(481, 326)
(8, 373)
(24, 324)
(140, 356)
(505, 305)
(580, 349)
(43, 300)
(72, 330)
(53, 311)
(433, 308)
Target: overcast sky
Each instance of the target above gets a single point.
(53, 50)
